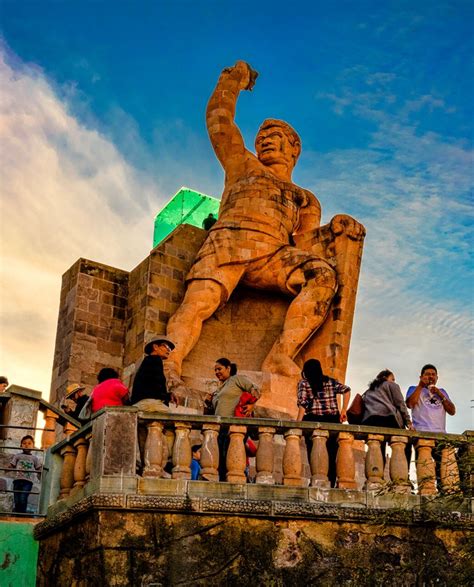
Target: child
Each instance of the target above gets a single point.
(25, 464)
(195, 465)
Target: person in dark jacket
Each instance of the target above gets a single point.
(150, 392)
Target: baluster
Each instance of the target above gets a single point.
(319, 459)
(210, 452)
(398, 465)
(89, 457)
(236, 459)
(168, 442)
(182, 452)
(153, 453)
(80, 465)
(67, 473)
(345, 465)
(374, 462)
(48, 438)
(292, 464)
(68, 429)
(425, 467)
(449, 470)
(265, 456)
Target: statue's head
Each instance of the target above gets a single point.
(277, 142)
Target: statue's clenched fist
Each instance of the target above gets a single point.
(244, 73)
(342, 223)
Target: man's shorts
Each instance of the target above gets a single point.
(287, 269)
(152, 405)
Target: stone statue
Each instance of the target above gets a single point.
(266, 236)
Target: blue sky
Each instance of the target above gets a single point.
(104, 118)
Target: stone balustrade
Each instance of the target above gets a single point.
(19, 409)
(105, 456)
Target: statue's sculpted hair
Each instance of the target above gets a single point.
(289, 130)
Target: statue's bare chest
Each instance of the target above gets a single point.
(264, 194)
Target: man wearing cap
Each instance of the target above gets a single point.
(74, 400)
(150, 392)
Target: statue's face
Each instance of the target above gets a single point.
(274, 147)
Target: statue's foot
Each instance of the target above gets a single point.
(279, 364)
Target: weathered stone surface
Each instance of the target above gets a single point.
(149, 547)
(90, 332)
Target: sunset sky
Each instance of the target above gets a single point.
(102, 121)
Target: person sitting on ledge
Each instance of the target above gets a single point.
(110, 391)
(318, 402)
(74, 400)
(150, 392)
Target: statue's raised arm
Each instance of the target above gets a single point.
(224, 134)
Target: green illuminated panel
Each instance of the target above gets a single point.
(186, 207)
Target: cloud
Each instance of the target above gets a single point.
(66, 192)
(411, 187)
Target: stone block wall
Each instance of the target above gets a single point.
(156, 288)
(91, 325)
(113, 545)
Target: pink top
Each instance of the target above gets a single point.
(111, 392)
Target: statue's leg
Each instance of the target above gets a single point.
(305, 315)
(201, 300)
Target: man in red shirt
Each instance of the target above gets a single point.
(110, 391)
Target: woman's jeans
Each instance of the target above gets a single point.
(331, 442)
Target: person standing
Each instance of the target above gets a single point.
(227, 397)
(209, 221)
(150, 392)
(3, 383)
(318, 401)
(429, 405)
(195, 462)
(25, 465)
(384, 407)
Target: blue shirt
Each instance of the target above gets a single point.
(195, 470)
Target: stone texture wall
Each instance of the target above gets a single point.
(107, 547)
(156, 288)
(91, 325)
